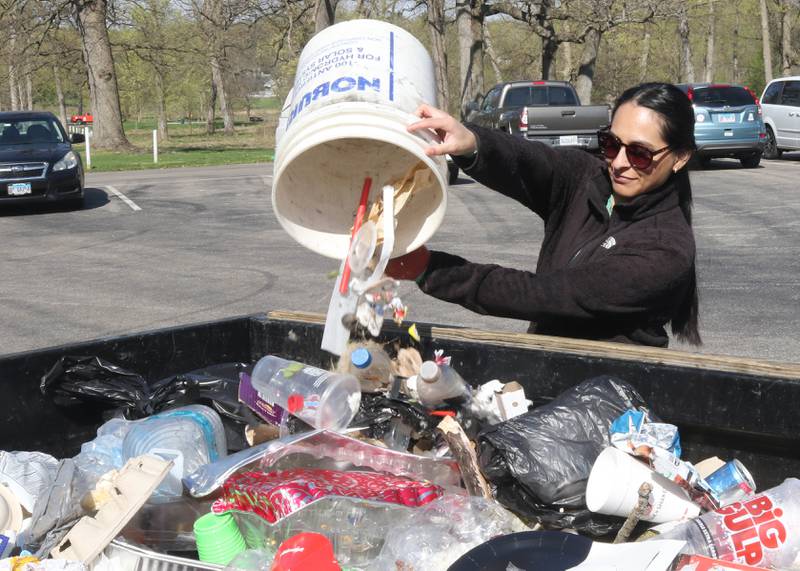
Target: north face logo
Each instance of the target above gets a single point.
(609, 243)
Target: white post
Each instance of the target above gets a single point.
(88, 148)
(155, 146)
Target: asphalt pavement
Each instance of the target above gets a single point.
(158, 248)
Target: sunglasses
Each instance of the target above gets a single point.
(639, 156)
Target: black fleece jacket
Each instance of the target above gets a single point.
(617, 278)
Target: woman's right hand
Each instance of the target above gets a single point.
(455, 139)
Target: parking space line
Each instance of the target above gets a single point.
(122, 197)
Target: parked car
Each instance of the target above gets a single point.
(37, 161)
(545, 111)
(82, 119)
(728, 122)
(781, 104)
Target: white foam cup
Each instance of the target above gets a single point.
(614, 483)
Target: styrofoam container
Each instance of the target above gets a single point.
(357, 86)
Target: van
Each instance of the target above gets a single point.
(780, 103)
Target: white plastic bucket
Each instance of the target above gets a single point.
(357, 86)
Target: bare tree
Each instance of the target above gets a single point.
(644, 60)
(108, 132)
(787, 29)
(324, 14)
(766, 41)
(469, 21)
(687, 67)
(712, 27)
(62, 106)
(436, 26)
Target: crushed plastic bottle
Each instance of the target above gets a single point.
(439, 383)
(763, 531)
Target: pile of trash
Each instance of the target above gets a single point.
(385, 462)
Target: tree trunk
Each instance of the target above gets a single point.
(324, 14)
(787, 52)
(735, 58)
(566, 70)
(12, 70)
(549, 49)
(644, 61)
(709, 75)
(493, 59)
(224, 103)
(29, 91)
(436, 25)
(62, 105)
(211, 117)
(687, 67)
(766, 42)
(107, 132)
(163, 133)
(469, 20)
(583, 83)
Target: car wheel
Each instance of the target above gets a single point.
(750, 161)
(771, 150)
(452, 173)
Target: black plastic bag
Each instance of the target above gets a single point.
(91, 380)
(549, 451)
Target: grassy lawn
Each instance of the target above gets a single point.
(188, 144)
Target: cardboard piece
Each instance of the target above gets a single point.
(133, 485)
(511, 401)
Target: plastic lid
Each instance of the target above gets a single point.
(361, 358)
(10, 510)
(429, 372)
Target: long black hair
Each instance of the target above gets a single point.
(677, 129)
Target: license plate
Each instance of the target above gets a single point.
(567, 140)
(728, 133)
(19, 188)
(726, 117)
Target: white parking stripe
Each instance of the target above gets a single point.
(124, 198)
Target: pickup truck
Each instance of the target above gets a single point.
(82, 119)
(545, 111)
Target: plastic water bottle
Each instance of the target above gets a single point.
(323, 399)
(372, 367)
(439, 383)
(761, 531)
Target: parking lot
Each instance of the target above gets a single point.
(153, 249)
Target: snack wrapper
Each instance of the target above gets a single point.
(275, 495)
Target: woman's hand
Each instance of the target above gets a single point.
(455, 138)
(409, 266)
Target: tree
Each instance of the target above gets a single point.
(108, 132)
(709, 71)
(787, 29)
(469, 21)
(324, 14)
(687, 67)
(436, 21)
(766, 41)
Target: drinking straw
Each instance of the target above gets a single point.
(360, 213)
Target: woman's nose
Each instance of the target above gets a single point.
(621, 162)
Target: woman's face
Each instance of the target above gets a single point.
(635, 124)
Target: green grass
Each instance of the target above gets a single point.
(189, 145)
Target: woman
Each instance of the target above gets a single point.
(618, 258)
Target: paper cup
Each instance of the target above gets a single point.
(613, 489)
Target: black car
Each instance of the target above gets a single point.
(37, 161)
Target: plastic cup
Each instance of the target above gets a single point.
(613, 489)
(218, 538)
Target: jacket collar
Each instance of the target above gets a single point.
(642, 206)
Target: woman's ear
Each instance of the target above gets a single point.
(681, 159)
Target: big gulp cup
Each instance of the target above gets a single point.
(614, 483)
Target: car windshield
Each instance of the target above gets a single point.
(30, 132)
(722, 96)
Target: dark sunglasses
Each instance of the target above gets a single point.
(639, 156)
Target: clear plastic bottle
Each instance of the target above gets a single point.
(762, 531)
(372, 367)
(323, 399)
(439, 383)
